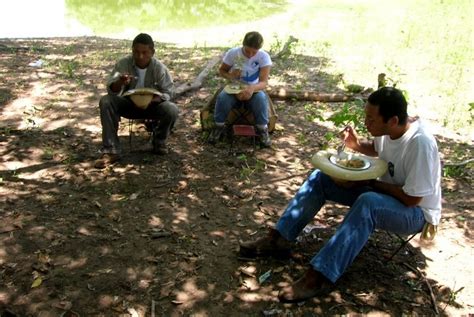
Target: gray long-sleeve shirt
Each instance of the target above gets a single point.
(157, 76)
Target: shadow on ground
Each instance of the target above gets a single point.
(158, 234)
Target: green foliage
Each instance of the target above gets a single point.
(277, 45)
(165, 14)
(68, 68)
(313, 113)
(302, 139)
(354, 88)
(48, 153)
(352, 113)
(457, 171)
(69, 49)
(248, 168)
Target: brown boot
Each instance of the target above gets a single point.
(311, 284)
(273, 244)
(105, 160)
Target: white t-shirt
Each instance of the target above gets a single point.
(141, 77)
(249, 67)
(413, 163)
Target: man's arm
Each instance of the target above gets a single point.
(164, 82)
(395, 191)
(123, 80)
(366, 147)
(120, 77)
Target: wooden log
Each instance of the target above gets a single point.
(289, 94)
(463, 163)
(197, 83)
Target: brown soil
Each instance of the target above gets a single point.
(159, 235)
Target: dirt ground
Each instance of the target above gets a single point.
(158, 235)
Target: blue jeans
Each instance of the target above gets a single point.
(258, 105)
(369, 211)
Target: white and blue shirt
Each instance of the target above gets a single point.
(249, 67)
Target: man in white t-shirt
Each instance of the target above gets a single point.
(402, 201)
(250, 65)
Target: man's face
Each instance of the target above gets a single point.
(142, 54)
(249, 52)
(374, 121)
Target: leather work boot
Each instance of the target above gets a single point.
(265, 140)
(311, 284)
(273, 244)
(105, 160)
(216, 134)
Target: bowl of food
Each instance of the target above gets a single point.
(350, 162)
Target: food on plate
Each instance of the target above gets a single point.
(351, 163)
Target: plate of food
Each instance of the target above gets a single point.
(234, 88)
(350, 162)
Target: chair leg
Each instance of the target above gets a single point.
(402, 245)
(130, 131)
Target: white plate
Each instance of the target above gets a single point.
(334, 159)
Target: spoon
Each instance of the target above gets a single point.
(340, 149)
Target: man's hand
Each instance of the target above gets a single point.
(352, 141)
(245, 94)
(350, 138)
(123, 80)
(156, 99)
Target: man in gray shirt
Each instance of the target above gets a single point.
(138, 70)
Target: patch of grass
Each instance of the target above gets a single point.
(302, 138)
(68, 68)
(248, 167)
(313, 113)
(423, 45)
(48, 154)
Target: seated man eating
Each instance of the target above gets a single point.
(138, 70)
(402, 201)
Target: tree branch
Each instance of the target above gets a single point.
(197, 83)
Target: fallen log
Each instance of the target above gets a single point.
(197, 83)
(289, 94)
(459, 164)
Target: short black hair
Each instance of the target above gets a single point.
(253, 40)
(145, 39)
(391, 102)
